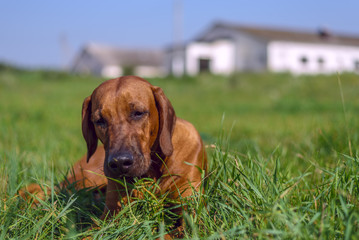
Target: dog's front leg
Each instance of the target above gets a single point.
(113, 205)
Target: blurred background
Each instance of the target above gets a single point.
(155, 35)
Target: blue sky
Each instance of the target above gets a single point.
(32, 32)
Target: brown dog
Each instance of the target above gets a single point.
(141, 136)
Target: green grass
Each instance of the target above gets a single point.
(283, 153)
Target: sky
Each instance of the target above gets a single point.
(48, 34)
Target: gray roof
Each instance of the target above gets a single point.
(109, 55)
(271, 34)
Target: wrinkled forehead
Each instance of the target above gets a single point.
(123, 94)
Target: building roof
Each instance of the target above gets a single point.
(109, 55)
(275, 34)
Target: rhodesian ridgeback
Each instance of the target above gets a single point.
(141, 136)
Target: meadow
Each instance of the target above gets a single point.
(283, 155)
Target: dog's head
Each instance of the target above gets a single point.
(132, 118)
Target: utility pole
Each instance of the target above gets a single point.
(178, 63)
(65, 51)
(178, 22)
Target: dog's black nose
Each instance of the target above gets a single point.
(120, 163)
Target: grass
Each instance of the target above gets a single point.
(283, 158)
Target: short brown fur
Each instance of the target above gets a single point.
(133, 118)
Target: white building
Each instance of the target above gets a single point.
(226, 48)
(110, 62)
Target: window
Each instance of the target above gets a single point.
(204, 65)
(304, 60)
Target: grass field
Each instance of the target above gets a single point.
(283, 153)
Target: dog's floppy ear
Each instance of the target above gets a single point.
(167, 120)
(88, 128)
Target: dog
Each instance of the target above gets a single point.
(141, 137)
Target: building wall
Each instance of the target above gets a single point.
(174, 62)
(251, 53)
(239, 52)
(85, 63)
(311, 58)
(148, 71)
(220, 53)
(111, 71)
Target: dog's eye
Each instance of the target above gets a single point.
(137, 115)
(100, 122)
